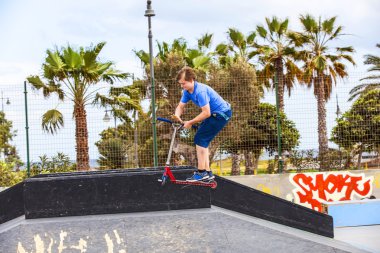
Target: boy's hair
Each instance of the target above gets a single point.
(189, 74)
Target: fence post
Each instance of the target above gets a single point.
(27, 129)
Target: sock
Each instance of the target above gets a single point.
(201, 171)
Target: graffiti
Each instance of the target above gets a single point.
(377, 180)
(47, 243)
(312, 188)
(270, 190)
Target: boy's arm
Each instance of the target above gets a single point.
(206, 112)
(179, 110)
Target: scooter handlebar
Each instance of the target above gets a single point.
(171, 122)
(165, 120)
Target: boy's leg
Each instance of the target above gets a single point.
(207, 160)
(203, 159)
(203, 168)
(205, 134)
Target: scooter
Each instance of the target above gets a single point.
(168, 175)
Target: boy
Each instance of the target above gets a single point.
(215, 113)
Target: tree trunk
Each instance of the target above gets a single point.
(249, 169)
(256, 156)
(279, 68)
(360, 156)
(235, 170)
(322, 129)
(212, 150)
(348, 161)
(136, 141)
(81, 137)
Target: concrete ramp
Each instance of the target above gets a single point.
(194, 230)
(137, 190)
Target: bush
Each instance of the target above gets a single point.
(8, 176)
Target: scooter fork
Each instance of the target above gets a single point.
(167, 173)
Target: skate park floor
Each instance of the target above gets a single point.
(194, 230)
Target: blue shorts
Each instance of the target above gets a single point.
(210, 127)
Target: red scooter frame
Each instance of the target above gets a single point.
(167, 172)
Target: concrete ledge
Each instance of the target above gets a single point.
(109, 192)
(11, 203)
(242, 199)
(354, 212)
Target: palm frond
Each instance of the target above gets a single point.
(261, 31)
(201, 62)
(143, 56)
(52, 121)
(71, 58)
(374, 77)
(328, 25)
(205, 41)
(362, 89)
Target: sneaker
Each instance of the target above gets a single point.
(210, 175)
(198, 176)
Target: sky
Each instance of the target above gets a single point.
(29, 28)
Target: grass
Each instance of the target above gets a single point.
(227, 164)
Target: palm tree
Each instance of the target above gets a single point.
(239, 46)
(70, 74)
(276, 55)
(322, 66)
(375, 79)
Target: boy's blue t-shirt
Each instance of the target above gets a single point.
(203, 95)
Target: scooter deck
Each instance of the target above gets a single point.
(212, 184)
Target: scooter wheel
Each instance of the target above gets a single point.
(214, 184)
(163, 180)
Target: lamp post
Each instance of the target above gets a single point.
(150, 13)
(27, 129)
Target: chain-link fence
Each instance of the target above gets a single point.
(249, 144)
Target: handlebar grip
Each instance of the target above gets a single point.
(165, 120)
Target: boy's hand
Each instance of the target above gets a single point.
(177, 119)
(187, 124)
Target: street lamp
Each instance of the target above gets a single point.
(107, 118)
(150, 13)
(338, 112)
